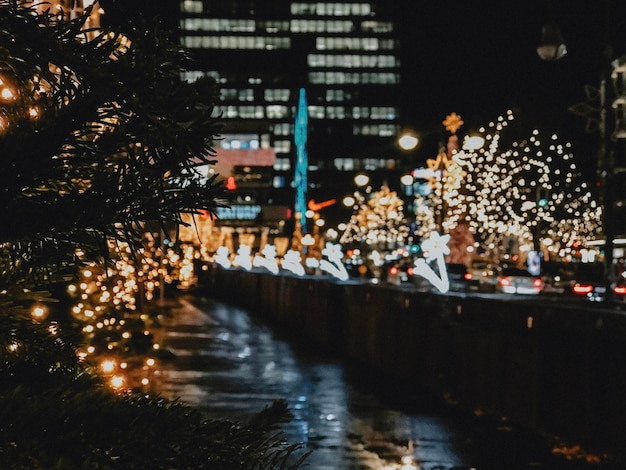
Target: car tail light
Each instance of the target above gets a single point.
(504, 281)
(468, 276)
(582, 289)
(538, 284)
(620, 290)
(409, 271)
(393, 270)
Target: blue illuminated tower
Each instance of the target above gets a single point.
(302, 163)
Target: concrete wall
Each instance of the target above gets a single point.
(556, 368)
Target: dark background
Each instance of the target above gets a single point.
(479, 59)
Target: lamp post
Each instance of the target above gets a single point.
(612, 112)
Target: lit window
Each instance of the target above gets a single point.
(316, 112)
(245, 94)
(236, 42)
(316, 60)
(370, 44)
(192, 75)
(335, 95)
(274, 26)
(377, 26)
(228, 94)
(335, 112)
(277, 111)
(251, 112)
(282, 164)
(360, 112)
(229, 112)
(331, 9)
(344, 164)
(192, 6)
(282, 146)
(383, 112)
(281, 94)
(373, 163)
(282, 128)
(278, 182)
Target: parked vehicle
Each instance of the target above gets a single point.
(589, 281)
(558, 277)
(460, 278)
(519, 281)
(398, 271)
(485, 273)
(590, 284)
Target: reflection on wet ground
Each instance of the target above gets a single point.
(231, 366)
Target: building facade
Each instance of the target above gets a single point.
(345, 55)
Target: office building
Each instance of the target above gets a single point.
(345, 55)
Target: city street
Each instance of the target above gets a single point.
(231, 366)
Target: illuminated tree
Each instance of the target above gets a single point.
(424, 215)
(378, 222)
(526, 191)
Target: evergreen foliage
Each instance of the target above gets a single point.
(114, 141)
(55, 414)
(99, 139)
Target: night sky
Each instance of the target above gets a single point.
(479, 59)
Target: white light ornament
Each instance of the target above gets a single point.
(333, 265)
(268, 260)
(243, 258)
(292, 262)
(222, 257)
(436, 246)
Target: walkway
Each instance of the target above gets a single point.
(231, 366)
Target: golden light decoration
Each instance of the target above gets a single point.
(39, 312)
(378, 220)
(499, 193)
(111, 304)
(453, 122)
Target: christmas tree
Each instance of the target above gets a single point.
(100, 141)
(378, 222)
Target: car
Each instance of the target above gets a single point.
(558, 277)
(460, 278)
(514, 280)
(398, 271)
(486, 273)
(590, 283)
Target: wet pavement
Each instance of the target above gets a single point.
(230, 366)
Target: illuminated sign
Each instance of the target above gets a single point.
(239, 212)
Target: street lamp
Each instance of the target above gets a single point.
(361, 179)
(552, 47)
(408, 141)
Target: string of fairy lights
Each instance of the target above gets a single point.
(378, 220)
(497, 194)
(521, 191)
(114, 307)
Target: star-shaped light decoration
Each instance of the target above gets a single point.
(590, 109)
(293, 262)
(442, 165)
(333, 265)
(438, 164)
(453, 122)
(436, 247)
(268, 260)
(243, 258)
(222, 257)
